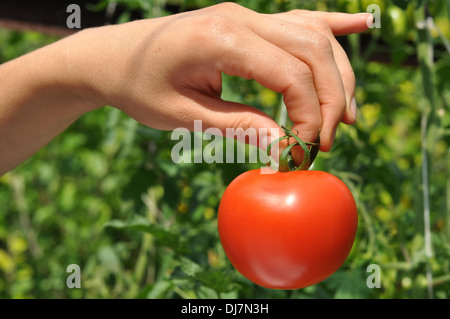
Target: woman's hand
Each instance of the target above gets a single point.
(167, 72)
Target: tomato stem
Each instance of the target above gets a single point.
(287, 163)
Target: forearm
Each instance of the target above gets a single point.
(45, 91)
(38, 100)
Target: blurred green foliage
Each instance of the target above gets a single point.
(105, 194)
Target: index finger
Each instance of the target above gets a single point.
(341, 23)
(329, 24)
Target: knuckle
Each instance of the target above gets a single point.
(321, 43)
(320, 25)
(300, 69)
(298, 12)
(314, 23)
(243, 122)
(217, 22)
(216, 27)
(296, 73)
(229, 6)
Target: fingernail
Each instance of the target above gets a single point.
(370, 21)
(353, 108)
(368, 17)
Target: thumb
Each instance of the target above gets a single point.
(240, 122)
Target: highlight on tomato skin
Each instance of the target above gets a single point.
(287, 230)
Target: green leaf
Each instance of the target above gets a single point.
(217, 279)
(220, 280)
(165, 237)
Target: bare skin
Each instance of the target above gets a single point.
(166, 73)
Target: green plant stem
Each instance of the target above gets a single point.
(448, 195)
(286, 161)
(282, 114)
(425, 56)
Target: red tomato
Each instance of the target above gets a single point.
(287, 230)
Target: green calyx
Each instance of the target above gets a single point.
(287, 163)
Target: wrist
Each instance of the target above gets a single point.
(39, 100)
(68, 72)
(104, 63)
